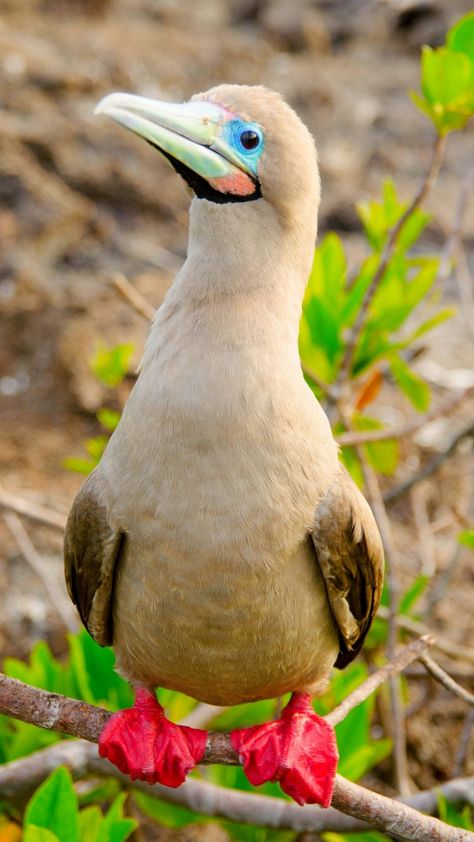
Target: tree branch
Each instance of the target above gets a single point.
(445, 679)
(352, 438)
(79, 719)
(399, 490)
(20, 777)
(34, 511)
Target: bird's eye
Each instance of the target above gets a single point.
(249, 139)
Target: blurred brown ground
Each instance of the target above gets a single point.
(81, 199)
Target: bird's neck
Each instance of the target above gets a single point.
(243, 280)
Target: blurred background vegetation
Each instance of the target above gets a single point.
(81, 203)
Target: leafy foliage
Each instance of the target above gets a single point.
(447, 79)
(53, 814)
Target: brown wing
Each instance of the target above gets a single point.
(350, 554)
(91, 552)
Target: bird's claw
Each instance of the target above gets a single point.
(298, 750)
(145, 745)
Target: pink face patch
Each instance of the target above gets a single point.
(238, 183)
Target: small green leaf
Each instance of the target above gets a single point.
(413, 594)
(110, 365)
(430, 324)
(466, 537)
(114, 827)
(95, 447)
(79, 465)
(416, 390)
(109, 418)
(448, 87)
(54, 806)
(460, 37)
(449, 814)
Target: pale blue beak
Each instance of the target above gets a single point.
(191, 133)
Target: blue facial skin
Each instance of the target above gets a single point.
(232, 132)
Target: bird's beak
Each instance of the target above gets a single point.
(190, 133)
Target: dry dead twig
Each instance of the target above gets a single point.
(32, 510)
(352, 438)
(37, 563)
(440, 675)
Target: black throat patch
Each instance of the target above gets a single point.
(202, 188)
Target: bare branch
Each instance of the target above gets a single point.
(20, 777)
(445, 679)
(34, 511)
(399, 490)
(132, 296)
(37, 563)
(79, 719)
(442, 644)
(464, 742)
(402, 659)
(352, 438)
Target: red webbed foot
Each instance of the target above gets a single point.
(298, 750)
(142, 743)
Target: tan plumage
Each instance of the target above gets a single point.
(220, 545)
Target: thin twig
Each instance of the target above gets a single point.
(69, 716)
(34, 511)
(132, 296)
(392, 238)
(326, 388)
(445, 408)
(400, 490)
(453, 240)
(442, 644)
(37, 563)
(464, 741)
(402, 659)
(445, 679)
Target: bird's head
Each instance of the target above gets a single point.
(232, 144)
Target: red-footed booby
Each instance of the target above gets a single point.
(220, 546)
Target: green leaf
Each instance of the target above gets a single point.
(430, 324)
(54, 806)
(32, 833)
(447, 82)
(90, 821)
(109, 418)
(79, 465)
(114, 827)
(413, 594)
(110, 365)
(169, 815)
(449, 814)
(416, 390)
(364, 758)
(95, 447)
(460, 37)
(466, 537)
